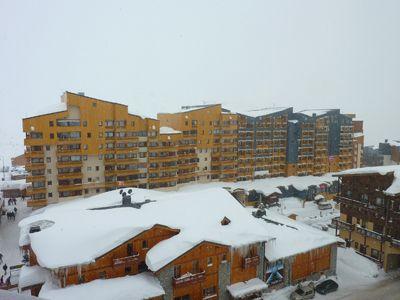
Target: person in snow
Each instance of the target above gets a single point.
(15, 209)
(1, 280)
(5, 267)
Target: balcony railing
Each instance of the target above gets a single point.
(126, 259)
(342, 224)
(249, 262)
(369, 233)
(189, 278)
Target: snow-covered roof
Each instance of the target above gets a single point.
(95, 232)
(32, 275)
(137, 287)
(267, 185)
(168, 130)
(393, 189)
(13, 184)
(292, 237)
(254, 112)
(317, 112)
(394, 143)
(245, 288)
(50, 109)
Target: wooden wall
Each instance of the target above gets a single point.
(314, 261)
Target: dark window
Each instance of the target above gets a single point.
(97, 190)
(52, 135)
(177, 271)
(195, 267)
(49, 182)
(97, 168)
(128, 269)
(50, 195)
(81, 279)
(129, 249)
(94, 104)
(142, 267)
(51, 123)
(47, 147)
(144, 244)
(89, 135)
(102, 275)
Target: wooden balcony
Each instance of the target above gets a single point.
(369, 233)
(69, 175)
(342, 225)
(71, 187)
(36, 203)
(189, 278)
(249, 262)
(126, 260)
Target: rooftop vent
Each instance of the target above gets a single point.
(225, 221)
(81, 93)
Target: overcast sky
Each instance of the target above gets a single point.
(158, 55)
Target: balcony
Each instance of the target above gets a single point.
(369, 233)
(36, 203)
(71, 187)
(189, 278)
(69, 175)
(38, 190)
(342, 225)
(249, 262)
(126, 260)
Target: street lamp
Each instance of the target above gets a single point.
(3, 168)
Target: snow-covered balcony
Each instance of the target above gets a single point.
(189, 278)
(126, 259)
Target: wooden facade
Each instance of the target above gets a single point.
(313, 262)
(370, 219)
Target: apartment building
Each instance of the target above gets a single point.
(215, 132)
(385, 154)
(85, 146)
(370, 213)
(358, 143)
(262, 138)
(319, 141)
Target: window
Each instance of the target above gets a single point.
(89, 169)
(100, 156)
(84, 157)
(89, 135)
(133, 123)
(47, 147)
(48, 171)
(48, 159)
(84, 123)
(224, 257)
(52, 135)
(86, 191)
(97, 168)
(129, 250)
(51, 123)
(50, 195)
(375, 253)
(89, 179)
(49, 182)
(94, 104)
(177, 271)
(102, 275)
(144, 244)
(128, 269)
(100, 123)
(209, 261)
(195, 267)
(211, 291)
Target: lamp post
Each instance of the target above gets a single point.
(3, 168)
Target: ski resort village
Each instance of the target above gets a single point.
(206, 203)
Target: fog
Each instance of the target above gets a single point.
(158, 55)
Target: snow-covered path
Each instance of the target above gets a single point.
(9, 234)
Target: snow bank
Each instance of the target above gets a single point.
(242, 289)
(32, 275)
(95, 232)
(137, 287)
(392, 190)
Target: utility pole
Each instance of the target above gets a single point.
(3, 168)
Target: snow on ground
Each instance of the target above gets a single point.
(9, 234)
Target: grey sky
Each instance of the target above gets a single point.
(158, 55)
